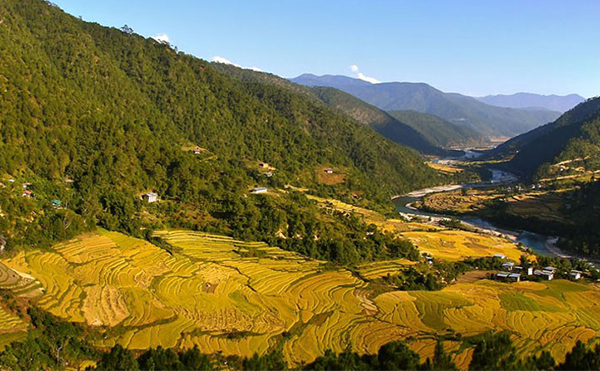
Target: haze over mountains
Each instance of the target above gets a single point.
(455, 108)
(534, 101)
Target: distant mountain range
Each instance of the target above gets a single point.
(426, 133)
(534, 101)
(455, 108)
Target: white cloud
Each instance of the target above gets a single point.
(162, 38)
(354, 68)
(218, 59)
(372, 80)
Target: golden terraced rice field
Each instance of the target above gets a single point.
(454, 245)
(211, 293)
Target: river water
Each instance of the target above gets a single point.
(534, 241)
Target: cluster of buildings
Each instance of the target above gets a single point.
(152, 197)
(513, 273)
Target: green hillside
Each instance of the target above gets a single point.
(379, 120)
(439, 131)
(566, 147)
(95, 116)
(343, 103)
(565, 152)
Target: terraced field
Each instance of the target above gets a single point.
(454, 245)
(381, 269)
(241, 297)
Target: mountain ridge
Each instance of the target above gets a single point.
(523, 100)
(571, 138)
(405, 134)
(453, 107)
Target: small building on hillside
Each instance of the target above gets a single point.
(150, 197)
(57, 204)
(528, 271)
(329, 170)
(268, 174)
(548, 276)
(502, 276)
(508, 266)
(551, 270)
(27, 194)
(575, 274)
(259, 190)
(499, 256)
(514, 277)
(197, 150)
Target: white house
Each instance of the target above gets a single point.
(259, 190)
(549, 276)
(329, 171)
(514, 277)
(502, 276)
(575, 274)
(150, 197)
(499, 256)
(528, 271)
(508, 266)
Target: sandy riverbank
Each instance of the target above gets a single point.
(425, 191)
(551, 246)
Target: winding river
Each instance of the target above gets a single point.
(540, 244)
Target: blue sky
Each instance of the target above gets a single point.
(472, 47)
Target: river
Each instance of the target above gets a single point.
(538, 243)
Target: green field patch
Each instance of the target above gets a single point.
(514, 301)
(556, 288)
(431, 305)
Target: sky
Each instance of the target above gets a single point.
(472, 47)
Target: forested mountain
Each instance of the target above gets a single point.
(439, 131)
(388, 126)
(455, 108)
(534, 101)
(379, 120)
(562, 148)
(110, 113)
